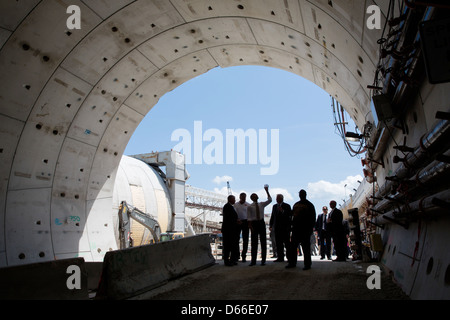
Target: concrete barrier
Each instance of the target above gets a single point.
(45, 281)
(94, 271)
(127, 273)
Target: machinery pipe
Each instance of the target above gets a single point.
(429, 176)
(429, 146)
(426, 206)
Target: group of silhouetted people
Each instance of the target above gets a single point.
(291, 227)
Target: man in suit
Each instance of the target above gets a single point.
(241, 209)
(257, 225)
(323, 234)
(230, 250)
(338, 232)
(280, 224)
(303, 221)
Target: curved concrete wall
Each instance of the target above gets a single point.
(71, 99)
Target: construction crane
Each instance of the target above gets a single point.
(228, 187)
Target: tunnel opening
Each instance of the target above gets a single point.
(251, 98)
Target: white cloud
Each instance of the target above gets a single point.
(223, 190)
(336, 191)
(222, 179)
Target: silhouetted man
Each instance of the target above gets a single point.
(230, 233)
(280, 223)
(257, 225)
(338, 232)
(303, 221)
(241, 209)
(323, 234)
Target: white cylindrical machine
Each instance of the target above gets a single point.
(141, 186)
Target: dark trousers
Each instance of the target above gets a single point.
(282, 242)
(230, 250)
(325, 244)
(259, 229)
(305, 241)
(340, 244)
(245, 231)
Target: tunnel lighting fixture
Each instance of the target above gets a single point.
(351, 136)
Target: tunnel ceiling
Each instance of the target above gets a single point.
(71, 99)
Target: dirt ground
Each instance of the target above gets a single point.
(326, 280)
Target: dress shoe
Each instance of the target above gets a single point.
(306, 268)
(289, 266)
(263, 263)
(251, 264)
(278, 260)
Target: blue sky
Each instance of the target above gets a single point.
(311, 154)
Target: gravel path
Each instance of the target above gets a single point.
(326, 280)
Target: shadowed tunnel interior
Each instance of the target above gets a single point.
(71, 99)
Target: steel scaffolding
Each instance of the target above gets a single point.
(204, 209)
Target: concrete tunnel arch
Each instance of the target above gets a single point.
(71, 99)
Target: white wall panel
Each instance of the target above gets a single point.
(286, 12)
(432, 280)
(10, 130)
(109, 152)
(112, 40)
(168, 78)
(68, 208)
(34, 51)
(105, 8)
(28, 226)
(100, 228)
(191, 37)
(35, 158)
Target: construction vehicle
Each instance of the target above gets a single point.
(127, 212)
(167, 236)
